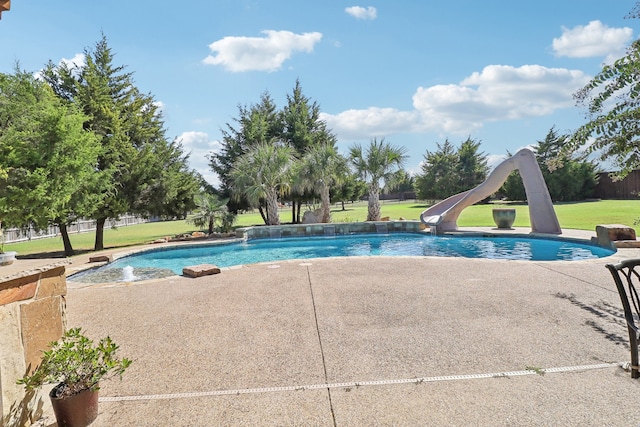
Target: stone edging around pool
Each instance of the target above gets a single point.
(347, 228)
(275, 231)
(330, 229)
(338, 229)
(401, 226)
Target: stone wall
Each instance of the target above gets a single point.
(32, 314)
(330, 229)
(616, 236)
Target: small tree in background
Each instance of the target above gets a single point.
(297, 125)
(211, 212)
(399, 182)
(472, 165)
(448, 171)
(438, 178)
(569, 176)
(351, 189)
(513, 187)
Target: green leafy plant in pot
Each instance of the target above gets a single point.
(77, 366)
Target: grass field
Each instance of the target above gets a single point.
(583, 216)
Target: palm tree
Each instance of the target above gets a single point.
(210, 208)
(377, 163)
(319, 169)
(263, 173)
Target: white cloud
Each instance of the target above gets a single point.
(200, 146)
(360, 12)
(74, 64)
(260, 53)
(497, 93)
(374, 121)
(78, 61)
(160, 107)
(592, 40)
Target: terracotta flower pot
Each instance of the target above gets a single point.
(78, 410)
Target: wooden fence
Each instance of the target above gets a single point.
(628, 188)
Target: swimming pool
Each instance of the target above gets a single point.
(171, 260)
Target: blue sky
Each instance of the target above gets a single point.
(413, 72)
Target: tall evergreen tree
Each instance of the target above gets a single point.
(297, 125)
(438, 179)
(47, 157)
(256, 124)
(136, 156)
(302, 126)
(472, 164)
(568, 176)
(448, 171)
(302, 129)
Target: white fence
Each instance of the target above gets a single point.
(81, 226)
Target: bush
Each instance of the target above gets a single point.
(77, 364)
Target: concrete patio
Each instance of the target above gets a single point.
(368, 341)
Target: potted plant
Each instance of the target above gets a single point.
(77, 366)
(8, 257)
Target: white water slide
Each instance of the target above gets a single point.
(443, 216)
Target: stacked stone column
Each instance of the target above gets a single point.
(32, 314)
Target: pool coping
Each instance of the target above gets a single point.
(571, 235)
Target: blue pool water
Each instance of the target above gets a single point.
(400, 244)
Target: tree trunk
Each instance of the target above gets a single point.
(264, 217)
(99, 243)
(293, 211)
(211, 223)
(64, 232)
(343, 208)
(326, 204)
(373, 213)
(272, 208)
(298, 220)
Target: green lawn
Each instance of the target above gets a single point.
(120, 237)
(584, 216)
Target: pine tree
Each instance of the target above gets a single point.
(144, 173)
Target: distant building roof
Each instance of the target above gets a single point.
(4, 6)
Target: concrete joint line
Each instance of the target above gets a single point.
(324, 363)
(363, 383)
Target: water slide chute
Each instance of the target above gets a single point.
(443, 216)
